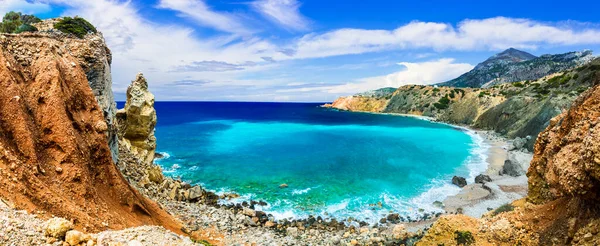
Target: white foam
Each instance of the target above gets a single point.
(165, 155)
(300, 192)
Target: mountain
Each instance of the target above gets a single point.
(513, 65)
(382, 92)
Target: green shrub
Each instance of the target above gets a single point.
(26, 28)
(452, 94)
(15, 22)
(76, 26)
(440, 106)
(594, 67)
(565, 79)
(464, 237)
(484, 93)
(576, 76)
(504, 208)
(436, 89)
(518, 84)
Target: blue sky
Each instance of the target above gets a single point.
(294, 50)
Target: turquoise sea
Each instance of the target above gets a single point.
(335, 163)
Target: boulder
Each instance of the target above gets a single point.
(249, 212)
(57, 227)
(195, 193)
(459, 181)
(512, 168)
(75, 237)
(482, 179)
(519, 143)
(155, 174)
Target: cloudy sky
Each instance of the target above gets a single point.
(314, 50)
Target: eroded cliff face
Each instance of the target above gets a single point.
(54, 153)
(567, 153)
(137, 121)
(95, 58)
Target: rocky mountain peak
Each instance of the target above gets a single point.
(510, 55)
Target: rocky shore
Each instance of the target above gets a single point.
(502, 182)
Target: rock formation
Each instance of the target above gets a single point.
(137, 120)
(54, 155)
(567, 154)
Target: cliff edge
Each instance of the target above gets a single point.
(54, 153)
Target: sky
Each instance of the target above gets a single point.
(314, 50)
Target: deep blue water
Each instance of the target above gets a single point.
(335, 163)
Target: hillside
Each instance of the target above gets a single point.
(562, 203)
(514, 65)
(517, 109)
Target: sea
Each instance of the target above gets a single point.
(335, 164)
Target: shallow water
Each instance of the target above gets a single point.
(335, 163)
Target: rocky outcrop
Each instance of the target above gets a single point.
(137, 120)
(54, 153)
(514, 65)
(567, 153)
(359, 104)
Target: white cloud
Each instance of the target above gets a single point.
(284, 12)
(423, 73)
(23, 7)
(198, 10)
(487, 34)
(227, 67)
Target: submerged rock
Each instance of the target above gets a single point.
(459, 181)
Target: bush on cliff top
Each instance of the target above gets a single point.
(15, 22)
(76, 26)
(464, 238)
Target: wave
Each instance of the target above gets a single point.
(300, 192)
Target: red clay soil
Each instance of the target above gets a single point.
(54, 155)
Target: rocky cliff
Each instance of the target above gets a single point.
(54, 153)
(564, 190)
(94, 57)
(514, 65)
(137, 120)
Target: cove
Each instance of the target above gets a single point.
(337, 164)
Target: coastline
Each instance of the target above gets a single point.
(477, 199)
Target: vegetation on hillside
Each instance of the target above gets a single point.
(15, 22)
(76, 26)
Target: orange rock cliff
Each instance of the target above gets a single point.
(56, 124)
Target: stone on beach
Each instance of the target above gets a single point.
(482, 179)
(459, 181)
(469, 195)
(512, 168)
